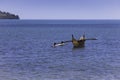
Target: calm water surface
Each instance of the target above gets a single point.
(26, 52)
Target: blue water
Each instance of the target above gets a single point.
(26, 52)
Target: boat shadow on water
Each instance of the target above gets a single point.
(78, 48)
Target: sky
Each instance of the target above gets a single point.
(63, 9)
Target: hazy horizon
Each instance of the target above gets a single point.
(63, 9)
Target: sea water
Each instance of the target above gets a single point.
(26, 51)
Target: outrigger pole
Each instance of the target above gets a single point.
(85, 39)
(71, 40)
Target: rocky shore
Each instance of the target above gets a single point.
(7, 15)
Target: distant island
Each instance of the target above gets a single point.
(7, 15)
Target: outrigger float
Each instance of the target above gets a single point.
(76, 43)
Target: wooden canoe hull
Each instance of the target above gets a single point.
(78, 43)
